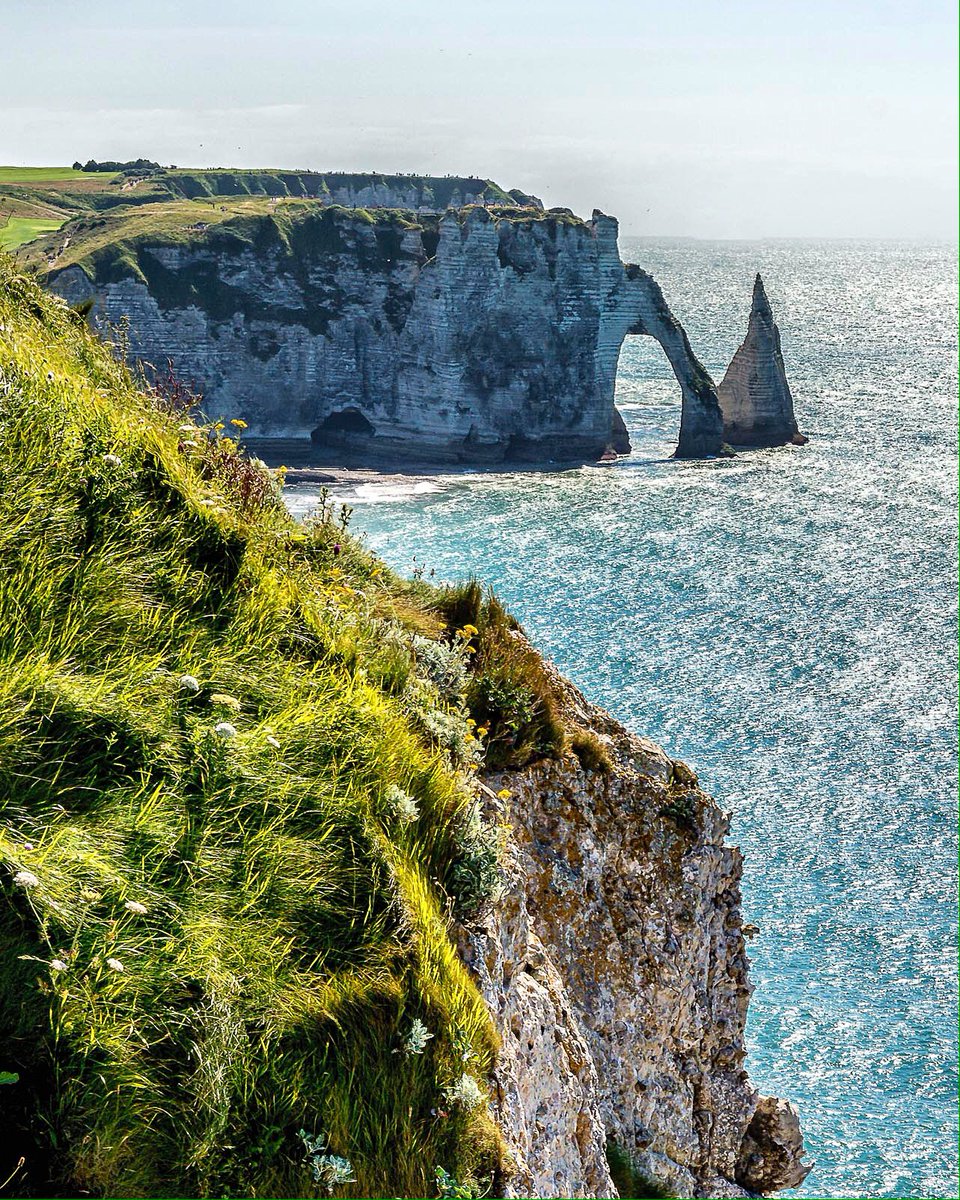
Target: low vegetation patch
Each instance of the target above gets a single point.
(39, 175)
(510, 695)
(20, 230)
(632, 1182)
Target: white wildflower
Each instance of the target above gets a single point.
(272, 741)
(57, 964)
(112, 461)
(189, 684)
(25, 879)
(466, 1093)
(416, 1040)
(188, 429)
(135, 906)
(49, 377)
(225, 730)
(402, 805)
(28, 845)
(115, 964)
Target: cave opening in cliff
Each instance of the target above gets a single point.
(346, 421)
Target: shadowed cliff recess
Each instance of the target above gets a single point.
(486, 333)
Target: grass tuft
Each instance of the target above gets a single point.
(509, 694)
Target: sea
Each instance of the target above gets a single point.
(786, 622)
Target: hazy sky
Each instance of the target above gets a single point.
(709, 118)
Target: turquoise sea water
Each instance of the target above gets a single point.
(785, 622)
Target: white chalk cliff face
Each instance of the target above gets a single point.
(617, 975)
(466, 337)
(755, 395)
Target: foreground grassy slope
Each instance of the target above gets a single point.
(236, 813)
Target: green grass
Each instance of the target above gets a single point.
(106, 242)
(509, 693)
(112, 238)
(230, 931)
(20, 230)
(632, 1183)
(30, 175)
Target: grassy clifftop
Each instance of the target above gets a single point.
(107, 246)
(237, 811)
(56, 193)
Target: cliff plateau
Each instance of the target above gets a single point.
(482, 335)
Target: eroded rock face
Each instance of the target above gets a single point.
(770, 1154)
(470, 337)
(755, 395)
(616, 971)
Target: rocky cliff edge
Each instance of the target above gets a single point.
(616, 971)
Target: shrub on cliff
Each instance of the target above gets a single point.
(218, 922)
(510, 695)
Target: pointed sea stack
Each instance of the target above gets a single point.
(754, 395)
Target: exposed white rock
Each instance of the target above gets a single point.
(755, 395)
(481, 337)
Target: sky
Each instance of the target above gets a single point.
(688, 118)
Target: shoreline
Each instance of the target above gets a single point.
(357, 476)
(298, 457)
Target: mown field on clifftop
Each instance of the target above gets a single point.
(237, 812)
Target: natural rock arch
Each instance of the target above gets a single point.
(635, 305)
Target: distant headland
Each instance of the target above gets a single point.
(383, 318)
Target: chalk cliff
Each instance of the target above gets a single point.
(755, 395)
(616, 971)
(479, 335)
